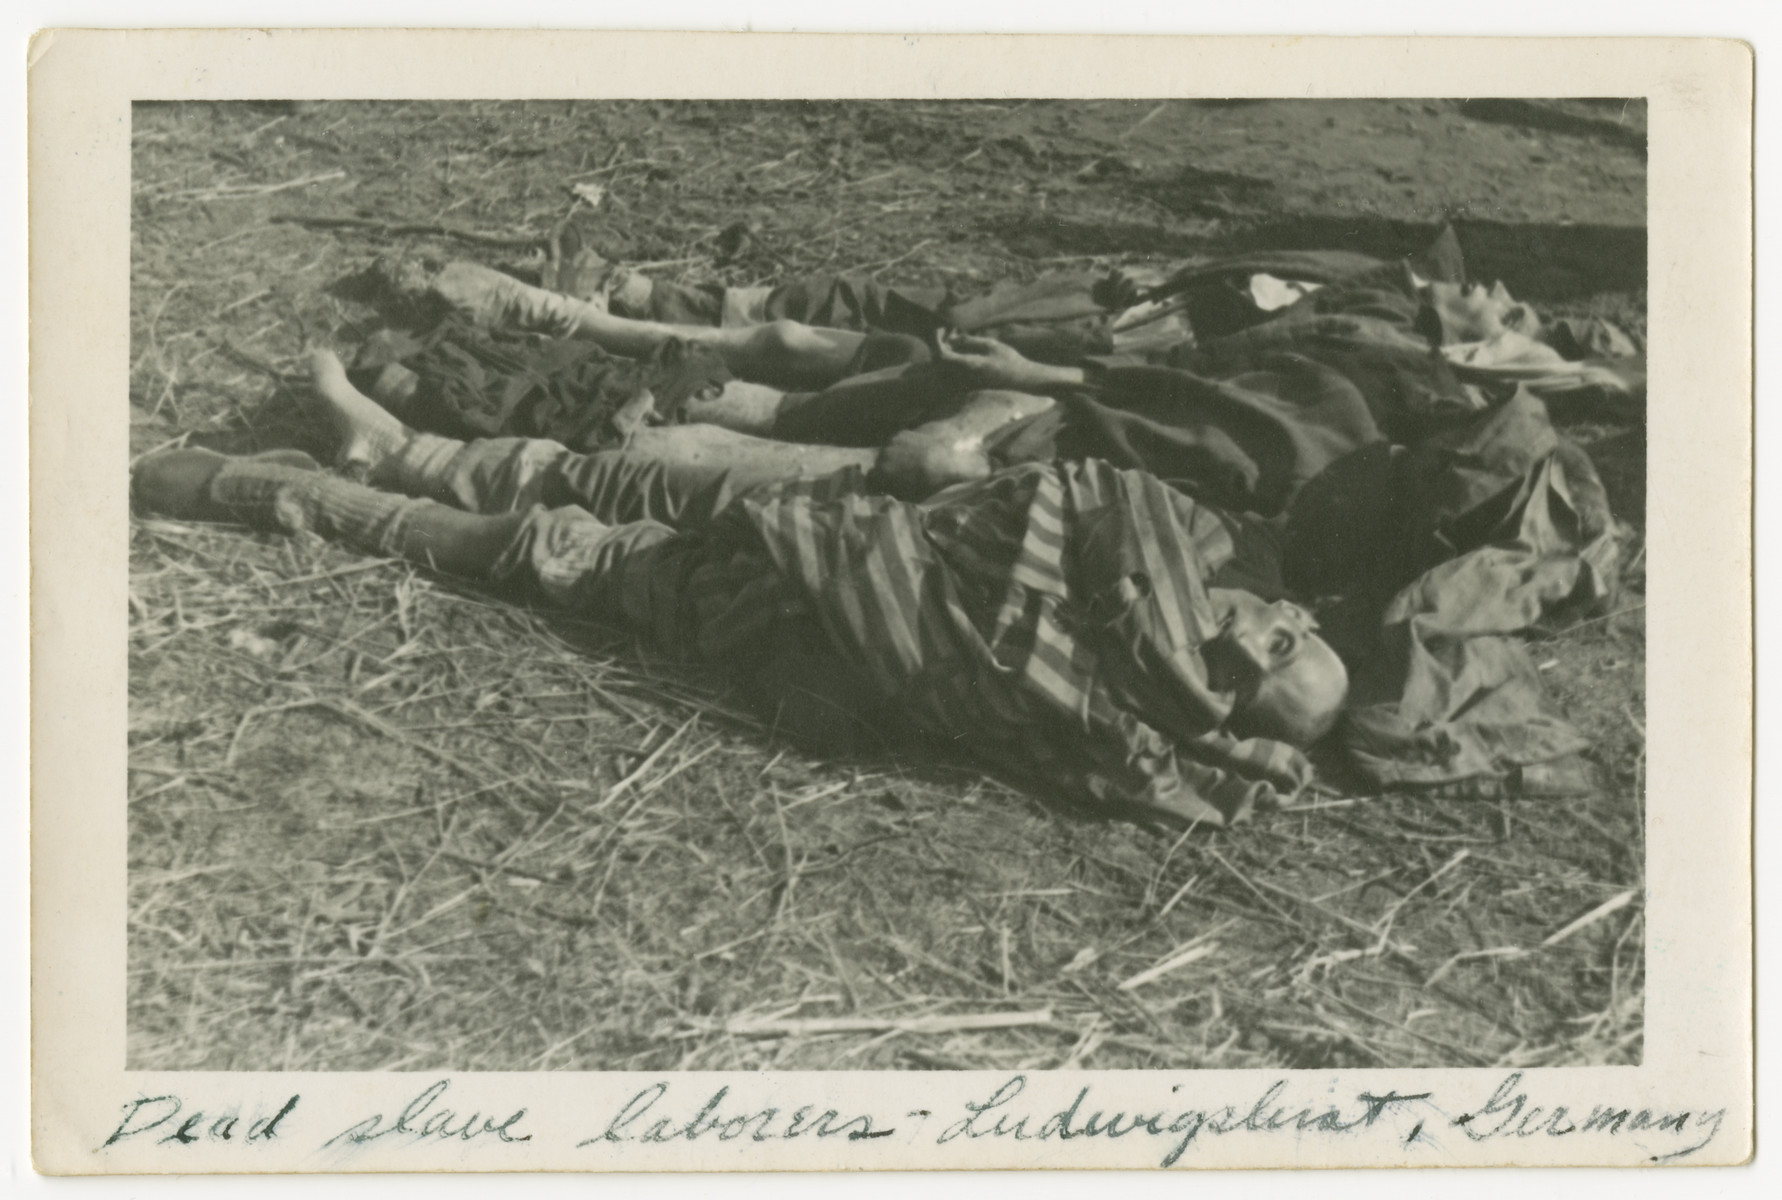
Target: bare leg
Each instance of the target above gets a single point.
(710, 446)
(785, 353)
(985, 412)
(676, 475)
(939, 453)
(365, 432)
(741, 406)
(790, 354)
(869, 410)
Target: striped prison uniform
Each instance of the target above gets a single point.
(1046, 620)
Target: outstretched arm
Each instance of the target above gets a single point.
(980, 362)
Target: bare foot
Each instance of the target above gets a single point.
(366, 433)
(915, 464)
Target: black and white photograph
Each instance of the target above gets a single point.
(629, 585)
(682, 602)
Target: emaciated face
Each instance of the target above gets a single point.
(1288, 682)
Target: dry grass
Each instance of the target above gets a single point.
(379, 820)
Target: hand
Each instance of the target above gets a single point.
(981, 362)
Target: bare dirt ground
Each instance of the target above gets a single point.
(379, 820)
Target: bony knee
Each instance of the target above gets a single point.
(789, 344)
(780, 340)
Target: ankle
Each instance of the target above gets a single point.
(365, 432)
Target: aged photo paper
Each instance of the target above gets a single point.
(410, 797)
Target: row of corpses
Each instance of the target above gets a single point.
(1138, 542)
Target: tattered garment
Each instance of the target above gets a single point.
(1046, 621)
(1051, 619)
(1518, 530)
(1420, 491)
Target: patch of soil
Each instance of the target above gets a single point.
(462, 883)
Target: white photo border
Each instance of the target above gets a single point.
(1699, 1046)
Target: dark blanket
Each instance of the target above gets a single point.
(1436, 520)
(1243, 421)
(1429, 558)
(1442, 554)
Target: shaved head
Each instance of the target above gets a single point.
(1289, 684)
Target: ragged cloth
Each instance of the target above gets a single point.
(1046, 621)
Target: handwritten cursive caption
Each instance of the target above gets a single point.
(1018, 1110)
